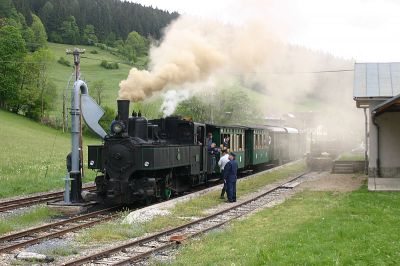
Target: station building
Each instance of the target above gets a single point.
(377, 91)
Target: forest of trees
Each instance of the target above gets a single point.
(91, 21)
(123, 28)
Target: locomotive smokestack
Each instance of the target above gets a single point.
(123, 110)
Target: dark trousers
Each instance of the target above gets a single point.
(231, 190)
(224, 187)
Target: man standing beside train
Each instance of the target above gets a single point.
(230, 175)
(221, 163)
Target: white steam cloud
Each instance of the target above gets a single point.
(171, 100)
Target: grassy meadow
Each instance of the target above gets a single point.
(91, 71)
(312, 228)
(33, 156)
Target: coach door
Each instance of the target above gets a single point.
(200, 140)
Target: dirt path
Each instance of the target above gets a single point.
(326, 181)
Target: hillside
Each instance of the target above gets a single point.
(28, 151)
(91, 71)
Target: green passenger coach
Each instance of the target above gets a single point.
(256, 146)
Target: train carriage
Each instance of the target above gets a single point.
(236, 143)
(256, 146)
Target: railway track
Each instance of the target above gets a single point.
(138, 250)
(9, 205)
(56, 229)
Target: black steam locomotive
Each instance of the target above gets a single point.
(151, 159)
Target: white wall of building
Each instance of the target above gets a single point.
(389, 131)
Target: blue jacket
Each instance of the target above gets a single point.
(230, 171)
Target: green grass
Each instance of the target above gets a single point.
(62, 251)
(28, 151)
(33, 217)
(313, 228)
(110, 231)
(351, 157)
(184, 211)
(91, 71)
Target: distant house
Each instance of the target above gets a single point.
(377, 89)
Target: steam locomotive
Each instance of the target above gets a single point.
(151, 159)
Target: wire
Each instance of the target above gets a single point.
(292, 73)
(228, 72)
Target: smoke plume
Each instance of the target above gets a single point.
(192, 51)
(196, 51)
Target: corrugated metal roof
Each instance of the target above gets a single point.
(376, 79)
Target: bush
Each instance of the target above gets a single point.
(64, 62)
(108, 65)
(55, 37)
(101, 46)
(105, 121)
(94, 52)
(108, 117)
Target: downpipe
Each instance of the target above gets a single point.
(378, 161)
(75, 173)
(366, 142)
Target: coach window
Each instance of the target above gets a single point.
(240, 142)
(266, 140)
(258, 141)
(233, 142)
(263, 141)
(237, 142)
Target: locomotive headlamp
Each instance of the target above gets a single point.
(117, 127)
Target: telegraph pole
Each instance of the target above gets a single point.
(76, 185)
(77, 54)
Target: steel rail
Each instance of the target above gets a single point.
(32, 200)
(18, 237)
(166, 244)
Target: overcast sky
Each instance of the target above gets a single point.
(366, 30)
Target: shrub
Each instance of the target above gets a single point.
(64, 62)
(94, 52)
(108, 117)
(108, 65)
